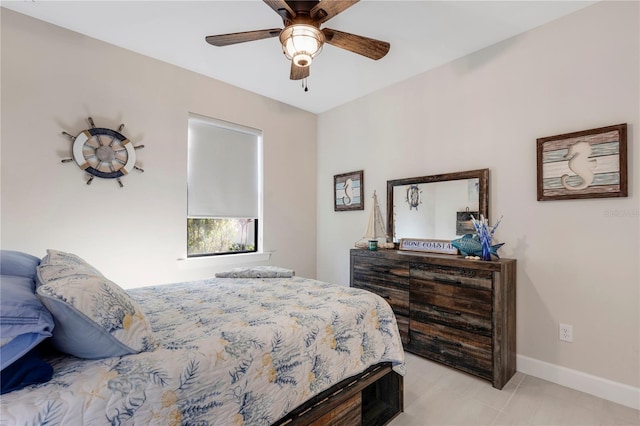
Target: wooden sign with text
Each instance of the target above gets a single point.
(431, 246)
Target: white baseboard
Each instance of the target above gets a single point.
(583, 382)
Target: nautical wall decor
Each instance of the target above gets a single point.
(414, 196)
(103, 153)
(586, 164)
(348, 191)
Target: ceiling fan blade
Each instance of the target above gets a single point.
(327, 9)
(298, 73)
(234, 38)
(281, 8)
(365, 46)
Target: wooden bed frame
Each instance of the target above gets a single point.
(373, 397)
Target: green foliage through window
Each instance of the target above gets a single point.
(218, 236)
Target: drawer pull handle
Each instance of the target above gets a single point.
(456, 344)
(443, 311)
(449, 282)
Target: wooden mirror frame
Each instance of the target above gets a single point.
(483, 191)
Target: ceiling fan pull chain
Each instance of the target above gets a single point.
(304, 84)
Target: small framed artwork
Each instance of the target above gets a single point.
(464, 223)
(348, 191)
(586, 164)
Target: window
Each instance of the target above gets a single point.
(224, 187)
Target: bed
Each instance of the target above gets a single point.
(258, 347)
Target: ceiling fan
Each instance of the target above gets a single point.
(302, 39)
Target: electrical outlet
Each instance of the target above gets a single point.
(566, 333)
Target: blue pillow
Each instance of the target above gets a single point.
(24, 321)
(28, 370)
(18, 264)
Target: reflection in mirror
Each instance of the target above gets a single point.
(438, 206)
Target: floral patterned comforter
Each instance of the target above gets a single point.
(232, 352)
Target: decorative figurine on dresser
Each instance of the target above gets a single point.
(456, 311)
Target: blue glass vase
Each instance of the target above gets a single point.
(485, 244)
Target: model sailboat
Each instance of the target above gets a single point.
(375, 229)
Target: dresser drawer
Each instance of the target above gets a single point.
(464, 350)
(398, 298)
(427, 313)
(380, 267)
(422, 296)
(386, 278)
(451, 289)
(456, 277)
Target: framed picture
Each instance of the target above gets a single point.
(587, 164)
(348, 191)
(464, 224)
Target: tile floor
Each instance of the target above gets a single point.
(438, 395)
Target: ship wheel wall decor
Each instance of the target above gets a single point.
(103, 153)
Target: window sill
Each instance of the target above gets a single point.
(230, 259)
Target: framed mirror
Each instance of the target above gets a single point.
(437, 206)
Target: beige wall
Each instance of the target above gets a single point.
(53, 79)
(577, 259)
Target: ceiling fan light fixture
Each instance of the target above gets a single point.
(301, 43)
(302, 59)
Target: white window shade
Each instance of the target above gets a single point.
(223, 170)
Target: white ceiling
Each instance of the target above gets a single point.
(423, 35)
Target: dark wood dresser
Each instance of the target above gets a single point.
(459, 312)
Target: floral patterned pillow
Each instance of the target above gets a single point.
(94, 317)
(257, 272)
(63, 265)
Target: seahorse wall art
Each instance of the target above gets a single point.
(580, 164)
(348, 192)
(585, 164)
